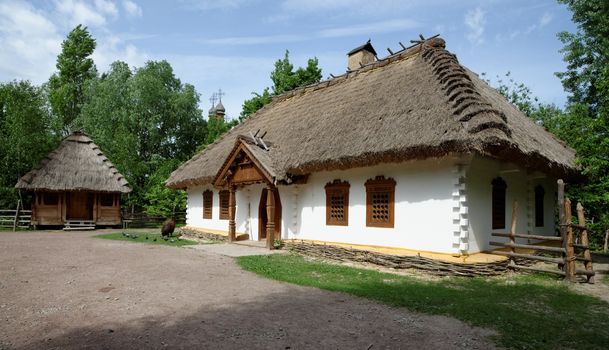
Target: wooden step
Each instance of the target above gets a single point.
(77, 225)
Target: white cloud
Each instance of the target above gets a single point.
(30, 43)
(78, 12)
(106, 7)
(545, 19)
(475, 21)
(255, 40)
(369, 28)
(132, 9)
(206, 5)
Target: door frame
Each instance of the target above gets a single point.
(262, 218)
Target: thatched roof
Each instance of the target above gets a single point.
(414, 104)
(76, 165)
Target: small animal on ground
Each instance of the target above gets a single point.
(168, 226)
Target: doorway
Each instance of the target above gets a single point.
(262, 217)
(79, 206)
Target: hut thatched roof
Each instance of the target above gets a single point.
(414, 104)
(76, 165)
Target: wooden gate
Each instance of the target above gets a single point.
(567, 249)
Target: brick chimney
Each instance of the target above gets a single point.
(360, 56)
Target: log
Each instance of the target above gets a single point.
(524, 235)
(529, 256)
(581, 219)
(537, 269)
(513, 230)
(606, 241)
(590, 274)
(528, 246)
(568, 244)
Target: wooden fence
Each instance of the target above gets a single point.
(15, 218)
(565, 251)
(143, 220)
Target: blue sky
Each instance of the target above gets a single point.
(232, 44)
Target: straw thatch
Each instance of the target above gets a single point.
(415, 104)
(76, 165)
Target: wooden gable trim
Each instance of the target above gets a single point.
(219, 180)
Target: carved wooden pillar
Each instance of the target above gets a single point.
(232, 206)
(270, 214)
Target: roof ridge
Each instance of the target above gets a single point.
(467, 104)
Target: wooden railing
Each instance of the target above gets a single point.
(573, 244)
(13, 218)
(143, 220)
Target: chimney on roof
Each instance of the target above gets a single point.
(361, 55)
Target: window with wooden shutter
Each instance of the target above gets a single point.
(380, 197)
(539, 194)
(224, 202)
(208, 204)
(337, 203)
(498, 203)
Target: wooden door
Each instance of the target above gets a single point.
(262, 217)
(79, 206)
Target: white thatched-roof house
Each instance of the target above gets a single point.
(411, 151)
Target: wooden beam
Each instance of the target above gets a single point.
(528, 246)
(584, 241)
(528, 268)
(568, 244)
(524, 235)
(270, 215)
(232, 206)
(529, 256)
(513, 230)
(561, 213)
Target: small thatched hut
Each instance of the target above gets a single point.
(75, 184)
(410, 151)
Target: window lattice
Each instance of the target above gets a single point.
(337, 203)
(380, 194)
(208, 203)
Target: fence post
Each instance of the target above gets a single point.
(561, 216)
(568, 244)
(16, 215)
(606, 239)
(584, 241)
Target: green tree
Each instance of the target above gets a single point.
(147, 122)
(75, 68)
(284, 79)
(27, 134)
(586, 79)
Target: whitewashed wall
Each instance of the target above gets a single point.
(441, 205)
(520, 188)
(423, 207)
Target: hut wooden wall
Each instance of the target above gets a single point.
(51, 208)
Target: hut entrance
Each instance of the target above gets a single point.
(79, 206)
(263, 218)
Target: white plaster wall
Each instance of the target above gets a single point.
(520, 184)
(423, 207)
(194, 211)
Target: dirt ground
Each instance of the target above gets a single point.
(69, 290)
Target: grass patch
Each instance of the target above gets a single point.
(528, 311)
(150, 238)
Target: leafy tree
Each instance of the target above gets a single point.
(27, 134)
(284, 79)
(75, 67)
(586, 79)
(147, 122)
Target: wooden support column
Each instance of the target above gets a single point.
(513, 232)
(232, 206)
(584, 241)
(568, 244)
(270, 214)
(561, 216)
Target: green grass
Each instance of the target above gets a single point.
(150, 238)
(528, 311)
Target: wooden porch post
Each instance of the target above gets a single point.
(270, 214)
(568, 244)
(232, 206)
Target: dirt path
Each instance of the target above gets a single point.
(69, 290)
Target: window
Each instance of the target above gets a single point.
(106, 200)
(539, 194)
(337, 203)
(224, 200)
(208, 203)
(50, 198)
(380, 195)
(498, 203)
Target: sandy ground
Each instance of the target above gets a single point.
(69, 290)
